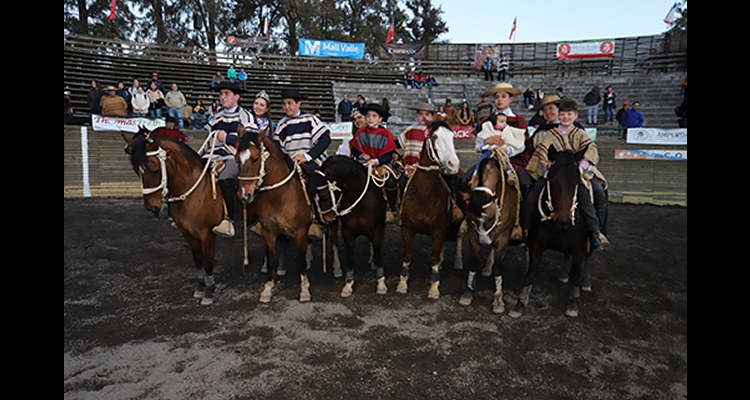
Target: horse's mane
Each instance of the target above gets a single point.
(253, 138)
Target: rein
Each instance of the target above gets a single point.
(485, 233)
(264, 154)
(333, 189)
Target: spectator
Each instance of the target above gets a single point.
(464, 116)
(213, 109)
(450, 112)
(609, 106)
(134, 88)
(359, 103)
(387, 107)
(440, 114)
(231, 73)
(482, 110)
(67, 108)
(156, 100)
(418, 80)
(94, 97)
(431, 81)
(125, 94)
(175, 100)
(155, 79)
(528, 97)
(592, 100)
(618, 117)
(408, 80)
(487, 67)
(198, 119)
(344, 109)
(112, 104)
(503, 65)
(242, 78)
(199, 106)
(559, 93)
(539, 97)
(632, 117)
(140, 103)
(216, 81)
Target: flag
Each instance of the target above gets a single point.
(112, 8)
(513, 30)
(265, 27)
(669, 19)
(390, 33)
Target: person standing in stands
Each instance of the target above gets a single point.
(112, 104)
(94, 97)
(503, 65)
(175, 100)
(344, 109)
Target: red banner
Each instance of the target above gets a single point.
(462, 132)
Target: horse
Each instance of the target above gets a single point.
(427, 202)
(555, 225)
(492, 213)
(275, 189)
(172, 172)
(343, 190)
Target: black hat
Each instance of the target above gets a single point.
(292, 94)
(235, 88)
(170, 118)
(375, 107)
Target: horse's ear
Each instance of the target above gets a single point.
(580, 153)
(551, 153)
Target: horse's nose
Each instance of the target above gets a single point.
(453, 165)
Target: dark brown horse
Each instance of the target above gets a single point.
(343, 190)
(172, 172)
(426, 207)
(268, 183)
(492, 212)
(555, 225)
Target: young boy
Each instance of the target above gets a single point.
(513, 138)
(374, 146)
(567, 136)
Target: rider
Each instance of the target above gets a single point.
(567, 136)
(226, 125)
(374, 145)
(303, 137)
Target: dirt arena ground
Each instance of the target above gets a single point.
(133, 331)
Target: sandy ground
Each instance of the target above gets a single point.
(133, 331)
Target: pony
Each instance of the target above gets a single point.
(426, 206)
(554, 225)
(172, 172)
(267, 182)
(343, 190)
(492, 212)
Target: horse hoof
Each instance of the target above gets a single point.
(382, 289)
(586, 288)
(304, 298)
(265, 299)
(347, 290)
(571, 312)
(337, 273)
(402, 286)
(564, 279)
(207, 301)
(465, 299)
(498, 307)
(516, 312)
(433, 293)
(198, 294)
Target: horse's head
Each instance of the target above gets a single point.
(331, 182)
(483, 209)
(563, 178)
(147, 158)
(324, 196)
(440, 148)
(250, 156)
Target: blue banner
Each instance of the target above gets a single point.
(328, 48)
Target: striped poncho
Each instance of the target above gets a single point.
(304, 133)
(375, 142)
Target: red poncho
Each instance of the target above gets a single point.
(375, 142)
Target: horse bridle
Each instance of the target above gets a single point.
(432, 155)
(548, 203)
(333, 189)
(162, 156)
(484, 234)
(264, 154)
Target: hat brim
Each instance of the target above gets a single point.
(235, 88)
(382, 112)
(507, 89)
(545, 104)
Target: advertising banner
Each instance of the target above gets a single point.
(330, 49)
(668, 155)
(462, 132)
(586, 49)
(102, 123)
(340, 130)
(403, 51)
(483, 51)
(676, 136)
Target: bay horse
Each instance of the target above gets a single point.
(172, 172)
(492, 212)
(344, 190)
(555, 225)
(275, 190)
(426, 206)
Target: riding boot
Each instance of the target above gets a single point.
(229, 191)
(600, 203)
(391, 192)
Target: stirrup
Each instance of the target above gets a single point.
(391, 217)
(225, 228)
(314, 232)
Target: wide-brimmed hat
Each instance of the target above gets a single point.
(422, 106)
(503, 87)
(292, 94)
(375, 107)
(547, 100)
(111, 88)
(234, 87)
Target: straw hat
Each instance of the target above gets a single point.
(422, 106)
(503, 87)
(547, 100)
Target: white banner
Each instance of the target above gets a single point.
(668, 155)
(102, 123)
(340, 130)
(586, 49)
(677, 136)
